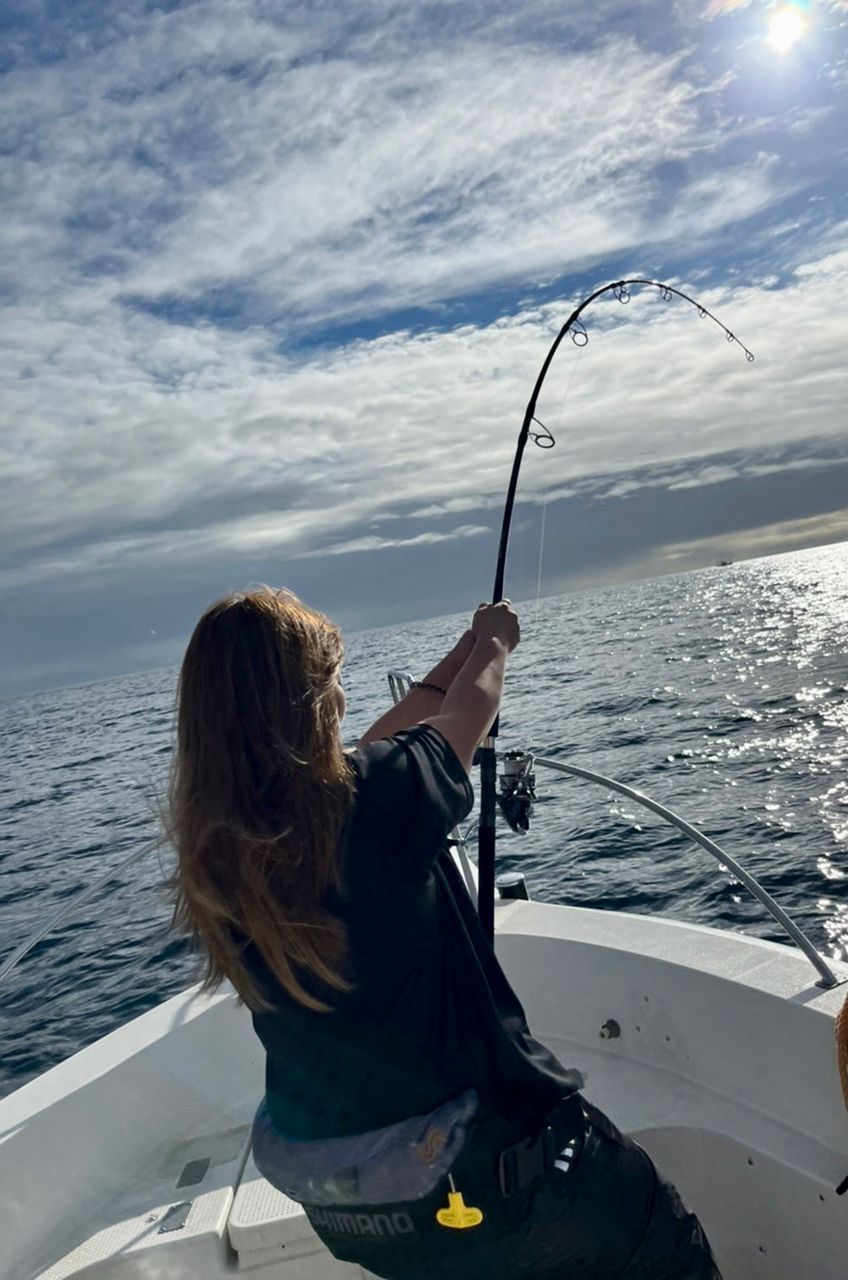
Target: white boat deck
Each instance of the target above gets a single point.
(131, 1160)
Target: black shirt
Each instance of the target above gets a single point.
(432, 1013)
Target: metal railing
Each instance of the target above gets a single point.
(401, 681)
(828, 977)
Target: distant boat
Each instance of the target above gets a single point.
(721, 563)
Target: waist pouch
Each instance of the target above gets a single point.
(402, 1161)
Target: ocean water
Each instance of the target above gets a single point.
(721, 693)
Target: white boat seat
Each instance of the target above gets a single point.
(172, 1221)
(264, 1220)
(267, 1227)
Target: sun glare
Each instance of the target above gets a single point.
(786, 27)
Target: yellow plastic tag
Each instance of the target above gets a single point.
(458, 1214)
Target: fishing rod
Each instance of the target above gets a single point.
(544, 440)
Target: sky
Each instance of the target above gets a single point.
(278, 279)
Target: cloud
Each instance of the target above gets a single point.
(747, 544)
(689, 474)
(258, 171)
(141, 442)
(264, 263)
(371, 542)
(720, 8)
(187, 197)
(486, 165)
(183, 548)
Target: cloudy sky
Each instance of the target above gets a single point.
(278, 279)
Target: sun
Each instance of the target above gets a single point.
(786, 28)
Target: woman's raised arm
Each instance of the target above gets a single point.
(474, 698)
(419, 703)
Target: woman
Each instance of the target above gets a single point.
(407, 1106)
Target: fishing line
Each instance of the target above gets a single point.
(541, 552)
(566, 393)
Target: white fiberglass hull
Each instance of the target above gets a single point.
(131, 1159)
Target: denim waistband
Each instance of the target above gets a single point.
(402, 1161)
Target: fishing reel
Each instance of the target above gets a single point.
(517, 789)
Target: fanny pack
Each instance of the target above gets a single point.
(402, 1161)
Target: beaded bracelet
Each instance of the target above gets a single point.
(426, 684)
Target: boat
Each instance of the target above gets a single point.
(714, 1050)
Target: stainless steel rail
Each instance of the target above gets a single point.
(401, 681)
(828, 977)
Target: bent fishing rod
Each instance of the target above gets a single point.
(543, 438)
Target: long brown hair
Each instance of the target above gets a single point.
(260, 788)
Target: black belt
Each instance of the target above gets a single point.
(559, 1142)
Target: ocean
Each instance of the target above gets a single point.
(721, 693)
